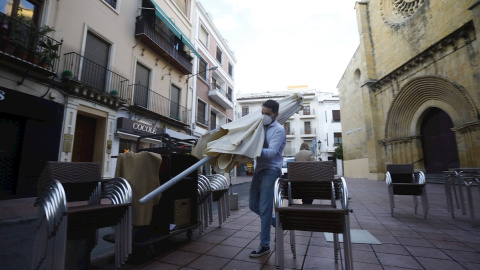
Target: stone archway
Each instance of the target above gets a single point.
(404, 118)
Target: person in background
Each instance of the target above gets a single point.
(305, 155)
(268, 168)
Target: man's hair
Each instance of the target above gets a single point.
(271, 104)
(304, 146)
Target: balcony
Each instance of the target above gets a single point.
(308, 133)
(94, 81)
(220, 96)
(290, 133)
(164, 45)
(307, 114)
(146, 99)
(25, 48)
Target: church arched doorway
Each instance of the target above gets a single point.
(438, 142)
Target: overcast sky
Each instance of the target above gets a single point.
(281, 43)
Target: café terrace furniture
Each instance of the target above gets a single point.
(455, 180)
(73, 202)
(314, 180)
(402, 180)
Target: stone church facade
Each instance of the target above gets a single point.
(411, 92)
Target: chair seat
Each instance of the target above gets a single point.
(218, 193)
(308, 217)
(84, 217)
(408, 189)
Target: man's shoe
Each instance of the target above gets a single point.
(274, 221)
(260, 251)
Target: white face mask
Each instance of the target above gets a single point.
(266, 120)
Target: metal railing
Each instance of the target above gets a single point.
(217, 87)
(95, 76)
(308, 131)
(310, 112)
(290, 132)
(162, 41)
(29, 43)
(153, 101)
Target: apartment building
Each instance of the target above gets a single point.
(318, 124)
(81, 80)
(213, 85)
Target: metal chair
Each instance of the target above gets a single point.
(220, 187)
(402, 180)
(313, 180)
(454, 181)
(63, 182)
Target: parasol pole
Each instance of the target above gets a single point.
(174, 180)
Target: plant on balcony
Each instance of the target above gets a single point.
(47, 48)
(67, 74)
(114, 92)
(338, 152)
(49, 52)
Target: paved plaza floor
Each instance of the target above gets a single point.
(405, 241)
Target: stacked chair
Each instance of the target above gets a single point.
(454, 181)
(402, 180)
(59, 223)
(220, 185)
(205, 202)
(313, 180)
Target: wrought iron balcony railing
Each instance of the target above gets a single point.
(95, 76)
(154, 102)
(29, 43)
(164, 45)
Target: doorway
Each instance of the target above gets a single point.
(84, 140)
(438, 142)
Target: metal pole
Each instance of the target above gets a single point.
(173, 181)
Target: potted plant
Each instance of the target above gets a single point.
(114, 92)
(49, 52)
(67, 75)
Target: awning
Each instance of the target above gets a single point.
(173, 27)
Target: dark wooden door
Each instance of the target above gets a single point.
(438, 142)
(84, 139)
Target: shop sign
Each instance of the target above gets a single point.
(131, 126)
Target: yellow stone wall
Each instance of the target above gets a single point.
(400, 70)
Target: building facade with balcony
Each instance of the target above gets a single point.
(318, 121)
(213, 85)
(83, 85)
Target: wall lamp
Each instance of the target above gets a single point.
(212, 68)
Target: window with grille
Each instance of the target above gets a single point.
(287, 128)
(335, 115)
(112, 3)
(308, 128)
(337, 138)
(213, 121)
(202, 69)
(201, 112)
(306, 110)
(219, 55)
(175, 102)
(203, 36)
(245, 110)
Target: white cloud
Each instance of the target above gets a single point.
(279, 43)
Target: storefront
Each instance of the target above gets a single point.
(31, 131)
(128, 132)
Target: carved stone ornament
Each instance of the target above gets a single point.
(397, 11)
